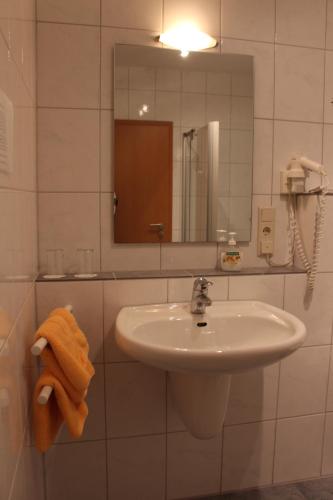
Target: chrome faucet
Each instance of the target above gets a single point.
(200, 299)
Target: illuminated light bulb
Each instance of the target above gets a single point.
(186, 37)
(140, 112)
(145, 108)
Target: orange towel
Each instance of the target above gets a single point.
(69, 371)
(66, 355)
(49, 418)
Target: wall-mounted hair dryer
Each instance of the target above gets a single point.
(293, 182)
(294, 176)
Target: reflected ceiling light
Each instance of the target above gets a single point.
(144, 109)
(187, 38)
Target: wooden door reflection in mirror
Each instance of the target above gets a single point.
(143, 181)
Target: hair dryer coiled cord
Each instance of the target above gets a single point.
(310, 267)
(295, 239)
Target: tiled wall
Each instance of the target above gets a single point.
(280, 420)
(20, 466)
(279, 425)
(292, 43)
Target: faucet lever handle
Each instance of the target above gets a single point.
(202, 283)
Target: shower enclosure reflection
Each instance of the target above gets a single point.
(200, 215)
(183, 145)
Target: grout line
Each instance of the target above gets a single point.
(324, 90)
(182, 431)
(326, 412)
(100, 142)
(256, 117)
(151, 30)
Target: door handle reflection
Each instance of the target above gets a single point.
(159, 227)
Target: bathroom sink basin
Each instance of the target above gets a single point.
(232, 336)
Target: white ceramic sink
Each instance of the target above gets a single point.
(230, 337)
(201, 352)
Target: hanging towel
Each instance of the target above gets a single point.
(49, 418)
(69, 371)
(66, 354)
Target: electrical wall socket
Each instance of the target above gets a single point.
(266, 231)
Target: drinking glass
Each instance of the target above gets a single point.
(86, 263)
(54, 263)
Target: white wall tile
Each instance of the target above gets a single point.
(241, 113)
(253, 396)
(180, 289)
(241, 146)
(300, 22)
(316, 314)
(87, 301)
(328, 106)
(325, 261)
(218, 83)
(328, 150)
(68, 150)
(69, 221)
(137, 468)
(247, 455)
(193, 108)
(263, 288)
(109, 37)
(123, 256)
(294, 139)
(168, 106)
(142, 14)
(205, 14)
(185, 454)
(298, 448)
(174, 420)
(187, 256)
(29, 476)
(76, 470)
(17, 249)
(194, 81)
(218, 107)
(68, 66)
(327, 465)
(119, 293)
(141, 78)
(329, 402)
(122, 105)
(299, 79)
(262, 156)
(106, 152)
(329, 25)
(303, 382)
(253, 20)
(168, 79)
(263, 69)
(81, 11)
(135, 399)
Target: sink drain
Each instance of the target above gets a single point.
(202, 323)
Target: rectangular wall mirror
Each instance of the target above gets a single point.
(183, 145)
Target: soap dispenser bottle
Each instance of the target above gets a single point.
(232, 258)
